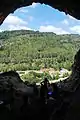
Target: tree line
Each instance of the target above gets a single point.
(33, 50)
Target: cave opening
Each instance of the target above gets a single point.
(64, 47)
(53, 57)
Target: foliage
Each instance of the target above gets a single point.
(56, 76)
(66, 75)
(35, 77)
(32, 77)
(32, 50)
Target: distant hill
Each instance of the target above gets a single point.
(25, 50)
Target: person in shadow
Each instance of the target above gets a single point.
(44, 89)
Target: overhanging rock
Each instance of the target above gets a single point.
(69, 7)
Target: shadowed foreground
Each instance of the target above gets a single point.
(19, 100)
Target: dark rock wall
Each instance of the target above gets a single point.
(68, 6)
(14, 94)
(71, 90)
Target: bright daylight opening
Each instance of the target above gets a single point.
(39, 41)
(39, 71)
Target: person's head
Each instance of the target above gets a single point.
(45, 79)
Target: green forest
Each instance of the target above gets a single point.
(32, 50)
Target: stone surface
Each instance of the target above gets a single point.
(14, 96)
(12, 92)
(68, 6)
(70, 92)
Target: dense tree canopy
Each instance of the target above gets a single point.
(28, 50)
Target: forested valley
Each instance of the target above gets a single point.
(24, 50)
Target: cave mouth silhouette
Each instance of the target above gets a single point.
(14, 93)
(69, 7)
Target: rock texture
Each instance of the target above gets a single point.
(73, 81)
(70, 92)
(68, 6)
(74, 108)
(12, 94)
(18, 100)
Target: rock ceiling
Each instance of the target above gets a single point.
(68, 6)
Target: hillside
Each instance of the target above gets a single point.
(30, 50)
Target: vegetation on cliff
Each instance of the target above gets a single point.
(31, 50)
